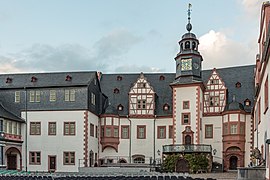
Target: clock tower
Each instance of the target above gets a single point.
(188, 60)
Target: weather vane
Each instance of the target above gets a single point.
(189, 26)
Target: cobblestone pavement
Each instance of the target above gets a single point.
(218, 176)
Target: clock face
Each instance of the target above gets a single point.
(196, 65)
(186, 64)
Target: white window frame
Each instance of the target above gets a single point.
(52, 95)
(17, 96)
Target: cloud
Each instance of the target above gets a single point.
(116, 43)
(43, 57)
(135, 69)
(252, 7)
(220, 51)
(7, 65)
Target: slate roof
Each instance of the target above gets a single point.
(53, 79)
(230, 76)
(161, 87)
(4, 113)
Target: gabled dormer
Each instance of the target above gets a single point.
(141, 98)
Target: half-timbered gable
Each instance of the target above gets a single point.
(141, 98)
(215, 94)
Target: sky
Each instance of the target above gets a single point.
(123, 36)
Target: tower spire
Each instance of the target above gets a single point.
(189, 26)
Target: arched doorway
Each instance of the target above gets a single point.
(233, 163)
(13, 159)
(188, 139)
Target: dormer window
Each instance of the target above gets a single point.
(120, 107)
(166, 107)
(68, 78)
(116, 91)
(161, 78)
(33, 79)
(238, 85)
(247, 102)
(9, 80)
(214, 81)
(119, 78)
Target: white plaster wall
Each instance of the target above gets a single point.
(185, 94)
(216, 141)
(55, 145)
(248, 139)
(92, 141)
(140, 146)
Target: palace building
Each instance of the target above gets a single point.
(67, 120)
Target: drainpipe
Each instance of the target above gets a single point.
(154, 162)
(129, 153)
(26, 124)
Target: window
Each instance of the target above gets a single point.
(225, 131)
(108, 132)
(119, 78)
(52, 95)
(52, 128)
(141, 132)
(92, 130)
(161, 132)
(69, 158)
(209, 131)
(166, 107)
(185, 104)
(68, 78)
(115, 132)
(185, 118)
(214, 101)
(17, 96)
(214, 81)
(93, 99)
(10, 127)
(34, 96)
(233, 128)
(238, 85)
(161, 78)
(266, 94)
(170, 132)
(9, 80)
(14, 128)
(141, 85)
(102, 131)
(69, 95)
(96, 131)
(34, 158)
(120, 107)
(125, 132)
(35, 128)
(69, 128)
(139, 160)
(116, 91)
(141, 104)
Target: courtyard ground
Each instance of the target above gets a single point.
(218, 176)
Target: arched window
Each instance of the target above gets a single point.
(194, 46)
(187, 45)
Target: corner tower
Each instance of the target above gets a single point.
(188, 60)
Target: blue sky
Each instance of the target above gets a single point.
(123, 35)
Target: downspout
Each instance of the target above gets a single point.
(154, 140)
(26, 129)
(129, 153)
